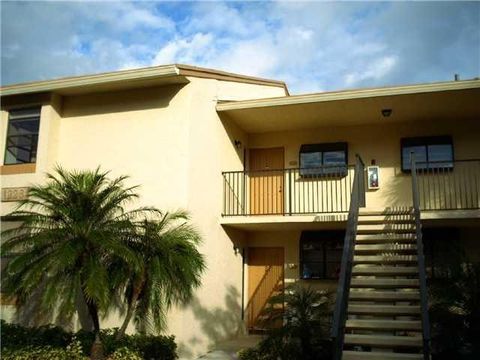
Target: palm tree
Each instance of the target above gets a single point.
(171, 270)
(73, 228)
(306, 324)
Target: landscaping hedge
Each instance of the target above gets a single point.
(52, 342)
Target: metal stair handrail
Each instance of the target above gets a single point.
(343, 289)
(421, 261)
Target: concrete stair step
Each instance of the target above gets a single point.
(383, 325)
(384, 295)
(386, 219)
(376, 248)
(383, 340)
(385, 211)
(361, 355)
(385, 228)
(385, 259)
(395, 310)
(385, 238)
(384, 270)
(384, 283)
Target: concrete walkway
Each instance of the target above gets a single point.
(227, 350)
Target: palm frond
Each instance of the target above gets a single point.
(73, 228)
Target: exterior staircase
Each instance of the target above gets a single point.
(383, 316)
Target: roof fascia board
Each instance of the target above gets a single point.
(187, 70)
(88, 80)
(127, 76)
(349, 94)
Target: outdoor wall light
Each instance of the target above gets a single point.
(237, 143)
(386, 112)
(236, 249)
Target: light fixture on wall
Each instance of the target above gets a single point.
(386, 112)
(237, 143)
(236, 249)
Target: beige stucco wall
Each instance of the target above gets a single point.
(170, 141)
(379, 143)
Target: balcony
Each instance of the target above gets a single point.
(295, 191)
(443, 186)
(449, 185)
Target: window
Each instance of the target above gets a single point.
(321, 254)
(22, 136)
(323, 159)
(443, 251)
(431, 152)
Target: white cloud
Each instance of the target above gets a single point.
(313, 46)
(253, 57)
(224, 18)
(184, 50)
(125, 16)
(375, 71)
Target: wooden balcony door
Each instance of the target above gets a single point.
(265, 279)
(266, 181)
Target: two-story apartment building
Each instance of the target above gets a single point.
(270, 180)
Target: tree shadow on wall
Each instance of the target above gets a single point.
(33, 314)
(218, 323)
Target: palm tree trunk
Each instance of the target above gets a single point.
(137, 289)
(96, 352)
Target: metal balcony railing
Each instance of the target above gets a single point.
(326, 189)
(453, 185)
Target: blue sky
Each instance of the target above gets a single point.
(313, 46)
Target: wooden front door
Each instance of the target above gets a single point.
(266, 181)
(265, 279)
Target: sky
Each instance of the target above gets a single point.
(312, 46)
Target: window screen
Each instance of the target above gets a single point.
(432, 152)
(323, 159)
(321, 254)
(22, 136)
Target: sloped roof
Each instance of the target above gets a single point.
(124, 79)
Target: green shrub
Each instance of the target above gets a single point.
(455, 312)
(73, 351)
(249, 354)
(18, 340)
(155, 347)
(124, 354)
(305, 331)
(19, 337)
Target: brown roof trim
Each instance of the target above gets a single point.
(195, 71)
(349, 94)
(131, 76)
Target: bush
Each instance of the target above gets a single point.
(455, 312)
(305, 331)
(124, 354)
(73, 351)
(155, 347)
(30, 343)
(19, 337)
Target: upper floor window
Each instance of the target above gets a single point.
(431, 152)
(321, 254)
(22, 136)
(323, 159)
